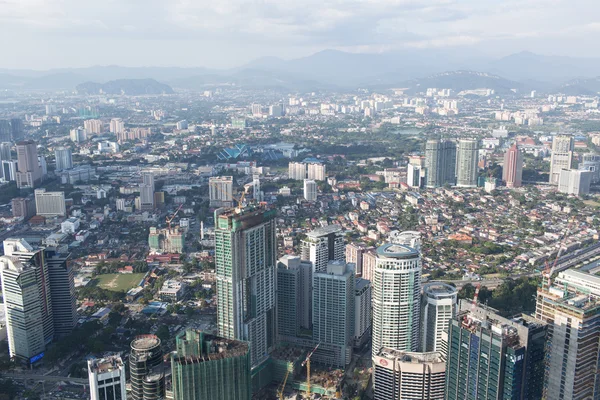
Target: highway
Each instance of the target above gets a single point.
(46, 378)
(578, 256)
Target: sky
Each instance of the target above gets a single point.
(45, 34)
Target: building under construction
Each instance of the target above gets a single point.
(166, 240)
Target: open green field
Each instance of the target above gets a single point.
(591, 203)
(118, 282)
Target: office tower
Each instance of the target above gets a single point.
(256, 110)
(117, 126)
(333, 310)
(571, 308)
(23, 207)
(43, 165)
(62, 292)
(145, 368)
(5, 130)
(415, 176)
(93, 126)
(5, 151)
(220, 190)
(467, 157)
(17, 128)
(573, 181)
(396, 298)
(50, 204)
(310, 190)
(562, 156)
(9, 171)
(207, 367)
(323, 245)
(362, 312)
(181, 125)
(276, 110)
(440, 163)
(29, 173)
(437, 310)
(590, 162)
(491, 357)
(107, 378)
(78, 135)
(297, 171)
(64, 158)
(245, 263)
(316, 171)
(294, 301)
(23, 309)
(369, 261)
(354, 254)
(400, 375)
(512, 170)
(147, 192)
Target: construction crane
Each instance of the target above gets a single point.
(548, 271)
(307, 363)
(282, 387)
(475, 297)
(169, 220)
(240, 206)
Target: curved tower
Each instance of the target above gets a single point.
(438, 309)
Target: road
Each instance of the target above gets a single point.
(46, 378)
(572, 259)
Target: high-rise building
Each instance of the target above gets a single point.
(5, 151)
(440, 163)
(29, 174)
(62, 292)
(437, 310)
(297, 171)
(182, 125)
(310, 190)
(107, 378)
(146, 369)
(574, 181)
(354, 254)
(571, 307)
(276, 110)
(590, 162)
(50, 204)
(256, 110)
(415, 176)
(512, 170)
(220, 190)
(362, 312)
(492, 357)
(17, 128)
(9, 171)
(400, 375)
(23, 309)
(5, 130)
(406, 238)
(23, 207)
(369, 261)
(64, 158)
(323, 245)
(207, 367)
(333, 311)
(93, 126)
(562, 156)
(117, 126)
(245, 263)
(166, 240)
(78, 135)
(396, 298)
(467, 157)
(147, 191)
(316, 171)
(294, 301)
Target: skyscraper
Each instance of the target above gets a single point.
(512, 170)
(63, 157)
(207, 367)
(5, 130)
(562, 156)
(78, 135)
(396, 298)
(437, 310)
(294, 301)
(62, 292)
(117, 126)
(93, 126)
(220, 190)
(107, 378)
(467, 156)
(333, 310)
(440, 163)
(310, 190)
(354, 254)
(147, 191)
(29, 173)
(316, 171)
(574, 181)
(491, 357)
(145, 368)
(5, 151)
(245, 262)
(16, 127)
(323, 245)
(50, 204)
(23, 207)
(297, 171)
(9, 171)
(590, 162)
(362, 312)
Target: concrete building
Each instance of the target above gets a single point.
(70, 226)
(93, 126)
(362, 312)
(50, 204)
(78, 135)
(467, 157)
(172, 291)
(400, 375)
(29, 173)
(297, 171)
(294, 296)
(246, 282)
(512, 170)
(147, 192)
(63, 158)
(406, 238)
(316, 171)
(5, 153)
(562, 156)
(591, 162)
(117, 126)
(396, 298)
(181, 125)
(439, 303)
(574, 181)
(207, 367)
(145, 368)
(164, 240)
(334, 310)
(415, 176)
(323, 245)
(494, 357)
(23, 207)
(107, 378)
(440, 163)
(78, 174)
(310, 190)
(354, 254)
(220, 190)
(9, 171)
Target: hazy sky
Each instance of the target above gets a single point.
(42, 34)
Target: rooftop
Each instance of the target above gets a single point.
(324, 231)
(392, 250)
(145, 342)
(414, 358)
(107, 364)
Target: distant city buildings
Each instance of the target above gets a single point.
(440, 163)
(117, 126)
(93, 126)
(164, 240)
(467, 157)
(78, 135)
(294, 296)
(220, 190)
(562, 156)
(29, 173)
(512, 170)
(310, 190)
(50, 204)
(63, 158)
(147, 192)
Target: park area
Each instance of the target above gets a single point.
(117, 282)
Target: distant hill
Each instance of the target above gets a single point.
(132, 87)
(462, 80)
(582, 86)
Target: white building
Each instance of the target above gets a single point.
(297, 171)
(437, 309)
(117, 126)
(172, 290)
(93, 126)
(220, 190)
(323, 245)
(316, 171)
(576, 182)
(310, 190)
(78, 135)
(107, 378)
(50, 204)
(64, 158)
(70, 225)
(562, 156)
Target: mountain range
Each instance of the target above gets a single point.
(332, 69)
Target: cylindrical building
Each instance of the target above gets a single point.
(145, 355)
(438, 309)
(396, 298)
